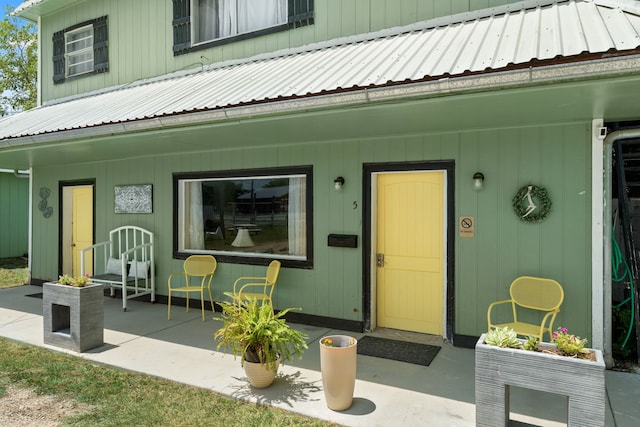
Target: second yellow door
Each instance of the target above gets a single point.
(410, 251)
(82, 226)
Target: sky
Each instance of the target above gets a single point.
(5, 3)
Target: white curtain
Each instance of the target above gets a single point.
(206, 28)
(227, 18)
(297, 216)
(222, 18)
(194, 220)
(256, 14)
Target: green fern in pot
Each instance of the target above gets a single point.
(254, 332)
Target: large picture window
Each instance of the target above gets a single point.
(246, 217)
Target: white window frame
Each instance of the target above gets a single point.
(195, 20)
(70, 54)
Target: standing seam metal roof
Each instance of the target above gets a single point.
(562, 31)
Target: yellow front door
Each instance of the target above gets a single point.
(410, 251)
(82, 226)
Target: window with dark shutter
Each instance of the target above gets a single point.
(58, 57)
(81, 50)
(202, 24)
(300, 13)
(100, 45)
(181, 26)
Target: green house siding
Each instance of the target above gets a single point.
(143, 48)
(14, 215)
(554, 156)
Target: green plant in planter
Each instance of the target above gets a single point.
(568, 344)
(502, 337)
(77, 282)
(531, 344)
(254, 332)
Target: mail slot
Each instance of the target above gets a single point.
(343, 240)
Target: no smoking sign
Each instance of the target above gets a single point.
(466, 226)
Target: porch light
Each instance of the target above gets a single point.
(478, 181)
(338, 183)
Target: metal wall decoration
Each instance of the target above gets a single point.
(47, 211)
(134, 198)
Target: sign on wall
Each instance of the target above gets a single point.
(466, 226)
(134, 198)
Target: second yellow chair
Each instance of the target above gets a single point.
(535, 294)
(257, 288)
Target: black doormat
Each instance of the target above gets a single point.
(36, 295)
(404, 351)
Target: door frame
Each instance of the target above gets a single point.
(368, 233)
(63, 214)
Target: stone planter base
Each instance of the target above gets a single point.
(582, 381)
(73, 317)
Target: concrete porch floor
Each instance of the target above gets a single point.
(387, 393)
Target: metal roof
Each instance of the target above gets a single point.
(503, 38)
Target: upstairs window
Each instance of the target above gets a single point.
(217, 19)
(201, 24)
(78, 47)
(81, 50)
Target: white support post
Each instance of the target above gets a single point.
(599, 257)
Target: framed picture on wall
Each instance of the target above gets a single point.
(134, 198)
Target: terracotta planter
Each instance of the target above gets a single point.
(73, 317)
(498, 368)
(338, 367)
(259, 375)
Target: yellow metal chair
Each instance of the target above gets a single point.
(261, 287)
(531, 293)
(197, 268)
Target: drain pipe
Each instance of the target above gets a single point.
(608, 142)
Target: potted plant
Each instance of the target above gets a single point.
(564, 366)
(260, 337)
(73, 313)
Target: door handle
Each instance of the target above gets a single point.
(380, 260)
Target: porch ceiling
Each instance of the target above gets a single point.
(611, 99)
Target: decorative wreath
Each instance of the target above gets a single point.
(532, 203)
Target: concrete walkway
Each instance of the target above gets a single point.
(387, 393)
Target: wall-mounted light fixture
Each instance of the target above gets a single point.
(338, 183)
(478, 181)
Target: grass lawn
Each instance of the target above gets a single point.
(13, 272)
(121, 398)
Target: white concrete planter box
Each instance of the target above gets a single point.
(582, 381)
(73, 316)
